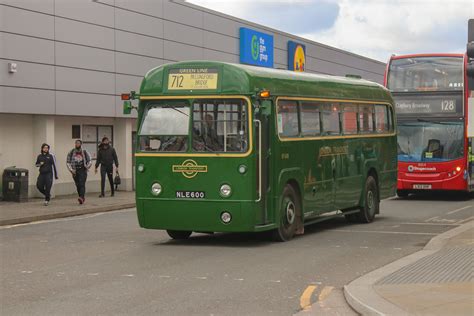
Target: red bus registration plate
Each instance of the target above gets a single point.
(422, 186)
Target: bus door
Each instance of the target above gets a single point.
(326, 165)
(263, 154)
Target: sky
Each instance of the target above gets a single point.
(372, 28)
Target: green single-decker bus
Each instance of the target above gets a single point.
(227, 147)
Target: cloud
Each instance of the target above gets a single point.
(292, 16)
(373, 28)
(378, 29)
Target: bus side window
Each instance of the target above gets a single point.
(366, 119)
(287, 118)
(330, 119)
(310, 119)
(349, 119)
(381, 119)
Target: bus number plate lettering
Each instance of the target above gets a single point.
(193, 79)
(190, 194)
(422, 186)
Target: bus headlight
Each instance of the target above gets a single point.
(156, 189)
(225, 190)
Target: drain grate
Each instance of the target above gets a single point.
(447, 265)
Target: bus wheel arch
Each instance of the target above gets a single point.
(289, 219)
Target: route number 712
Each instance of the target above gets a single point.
(177, 81)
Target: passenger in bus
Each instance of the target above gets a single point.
(290, 127)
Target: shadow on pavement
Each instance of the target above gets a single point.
(437, 196)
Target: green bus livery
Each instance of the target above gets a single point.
(234, 148)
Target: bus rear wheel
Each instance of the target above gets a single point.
(289, 211)
(372, 201)
(179, 234)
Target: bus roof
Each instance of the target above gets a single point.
(238, 79)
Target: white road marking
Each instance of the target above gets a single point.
(93, 274)
(432, 224)
(201, 278)
(128, 275)
(382, 232)
(164, 276)
(459, 209)
(27, 271)
(465, 220)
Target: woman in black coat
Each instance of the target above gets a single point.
(47, 169)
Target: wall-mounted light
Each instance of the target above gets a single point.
(12, 68)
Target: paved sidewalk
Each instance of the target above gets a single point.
(12, 213)
(437, 280)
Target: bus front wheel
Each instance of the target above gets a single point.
(179, 234)
(372, 201)
(289, 213)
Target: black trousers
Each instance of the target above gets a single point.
(44, 184)
(109, 171)
(80, 179)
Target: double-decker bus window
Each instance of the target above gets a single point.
(381, 119)
(220, 126)
(288, 118)
(330, 119)
(425, 74)
(366, 118)
(310, 119)
(165, 127)
(349, 119)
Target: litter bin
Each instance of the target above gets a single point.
(15, 184)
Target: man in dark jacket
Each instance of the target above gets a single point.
(78, 163)
(106, 158)
(47, 169)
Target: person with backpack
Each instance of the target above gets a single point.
(106, 158)
(46, 162)
(78, 163)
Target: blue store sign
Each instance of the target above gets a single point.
(296, 56)
(256, 48)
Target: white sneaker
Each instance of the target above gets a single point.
(46, 203)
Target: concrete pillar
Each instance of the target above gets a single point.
(123, 146)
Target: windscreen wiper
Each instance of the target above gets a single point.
(172, 107)
(435, 122)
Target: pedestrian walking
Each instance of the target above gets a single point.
(106, 158)
(78, 163)
(46, 162)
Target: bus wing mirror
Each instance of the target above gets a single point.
(266, 106)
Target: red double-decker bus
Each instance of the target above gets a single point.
(431, 98)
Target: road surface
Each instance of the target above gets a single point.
(105, 264)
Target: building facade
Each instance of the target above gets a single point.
(64, 63)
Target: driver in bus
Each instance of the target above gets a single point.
(209, 134)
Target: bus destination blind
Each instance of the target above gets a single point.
(432, 105)
(193, 79)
